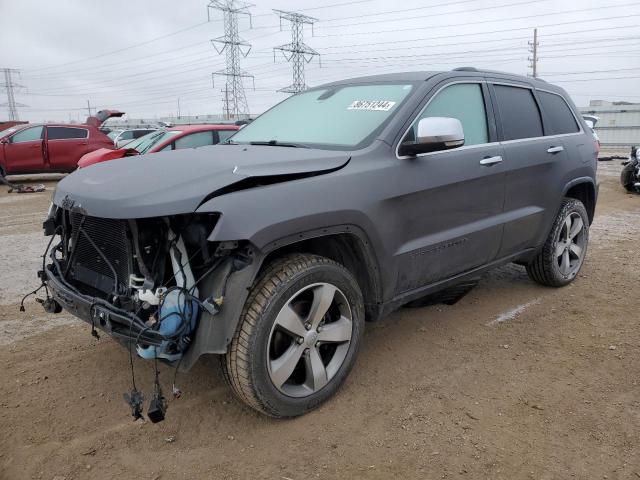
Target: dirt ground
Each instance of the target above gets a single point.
(515, 381)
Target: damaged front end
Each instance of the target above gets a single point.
(153, 284)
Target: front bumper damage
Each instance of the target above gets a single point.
(82, 289)
(123, 326)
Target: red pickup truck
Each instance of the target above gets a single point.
(52, 147)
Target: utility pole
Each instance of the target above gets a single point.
(298, 52)
(234, 47)
(533, 49)
(10, 87)
(89, 107)
(178, 107)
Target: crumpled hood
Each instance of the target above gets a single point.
(171, 183)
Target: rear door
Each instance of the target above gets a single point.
(65, 146)
(532, 160)
(24, 150)
(451, 209)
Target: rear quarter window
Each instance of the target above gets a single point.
(66, 133)
(519, 113)
(557, 114)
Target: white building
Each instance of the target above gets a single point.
(619, 123)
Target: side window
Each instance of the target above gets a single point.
(28, 135)
(195, 140)
(558, 113)
(140, 133)
(167, 147)
(65, 133)
(126, 135)
(519, 112)
(463, 101)
(224, 135)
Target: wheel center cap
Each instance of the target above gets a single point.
(311, 338)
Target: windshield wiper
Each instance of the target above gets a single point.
(276, 143)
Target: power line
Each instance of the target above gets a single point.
(299, 52)
(534, 54)
(476, 22)
(235, 101)
(10, 87)
(129, 47)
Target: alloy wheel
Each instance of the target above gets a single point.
(571, 245)
(309, 340)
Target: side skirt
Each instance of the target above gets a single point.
(407, 297)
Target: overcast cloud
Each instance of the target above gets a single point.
(52, 44)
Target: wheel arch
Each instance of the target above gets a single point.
(345, 244)
(585, 190)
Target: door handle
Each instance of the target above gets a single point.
(488, 161)
(557, 149)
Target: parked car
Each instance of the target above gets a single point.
(338, 205)
(173, 138)
(123, 137)
(52, 147)
(591, 121)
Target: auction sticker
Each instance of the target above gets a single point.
(371, 105)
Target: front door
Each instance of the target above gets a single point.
(24, 151)
(451, 213)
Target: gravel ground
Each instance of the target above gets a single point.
(515, 381)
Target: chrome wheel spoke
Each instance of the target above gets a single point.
(316, 371)
(576, 250)
(283, 366)
(565, 264)
(290, 321)
(322, 299)
(576, 227)
(338, 331)
(566, 228)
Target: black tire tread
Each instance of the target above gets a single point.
(540, 269)
(235, 363)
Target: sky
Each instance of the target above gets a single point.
(143, 56)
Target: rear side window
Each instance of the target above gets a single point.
(558, 113)
(66, 133)
(27, 135)
(519, 112)
(194, 140)
(140, 133)
(463, 101)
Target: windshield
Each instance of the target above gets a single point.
(145, 143)
(114, 133)
(345, 116)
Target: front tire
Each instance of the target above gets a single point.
(298, 336)
(563, 253)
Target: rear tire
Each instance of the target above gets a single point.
(627, 177)
(563, 253)
(287, 357)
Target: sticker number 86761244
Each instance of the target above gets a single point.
(372, 105)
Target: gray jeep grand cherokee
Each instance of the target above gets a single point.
(335, 207)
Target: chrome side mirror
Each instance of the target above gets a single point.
(434, 133)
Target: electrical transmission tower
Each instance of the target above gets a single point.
(298, 52)
(533, 49)
(234, 47)
(10, 87)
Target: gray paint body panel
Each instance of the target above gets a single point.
(427, 219)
